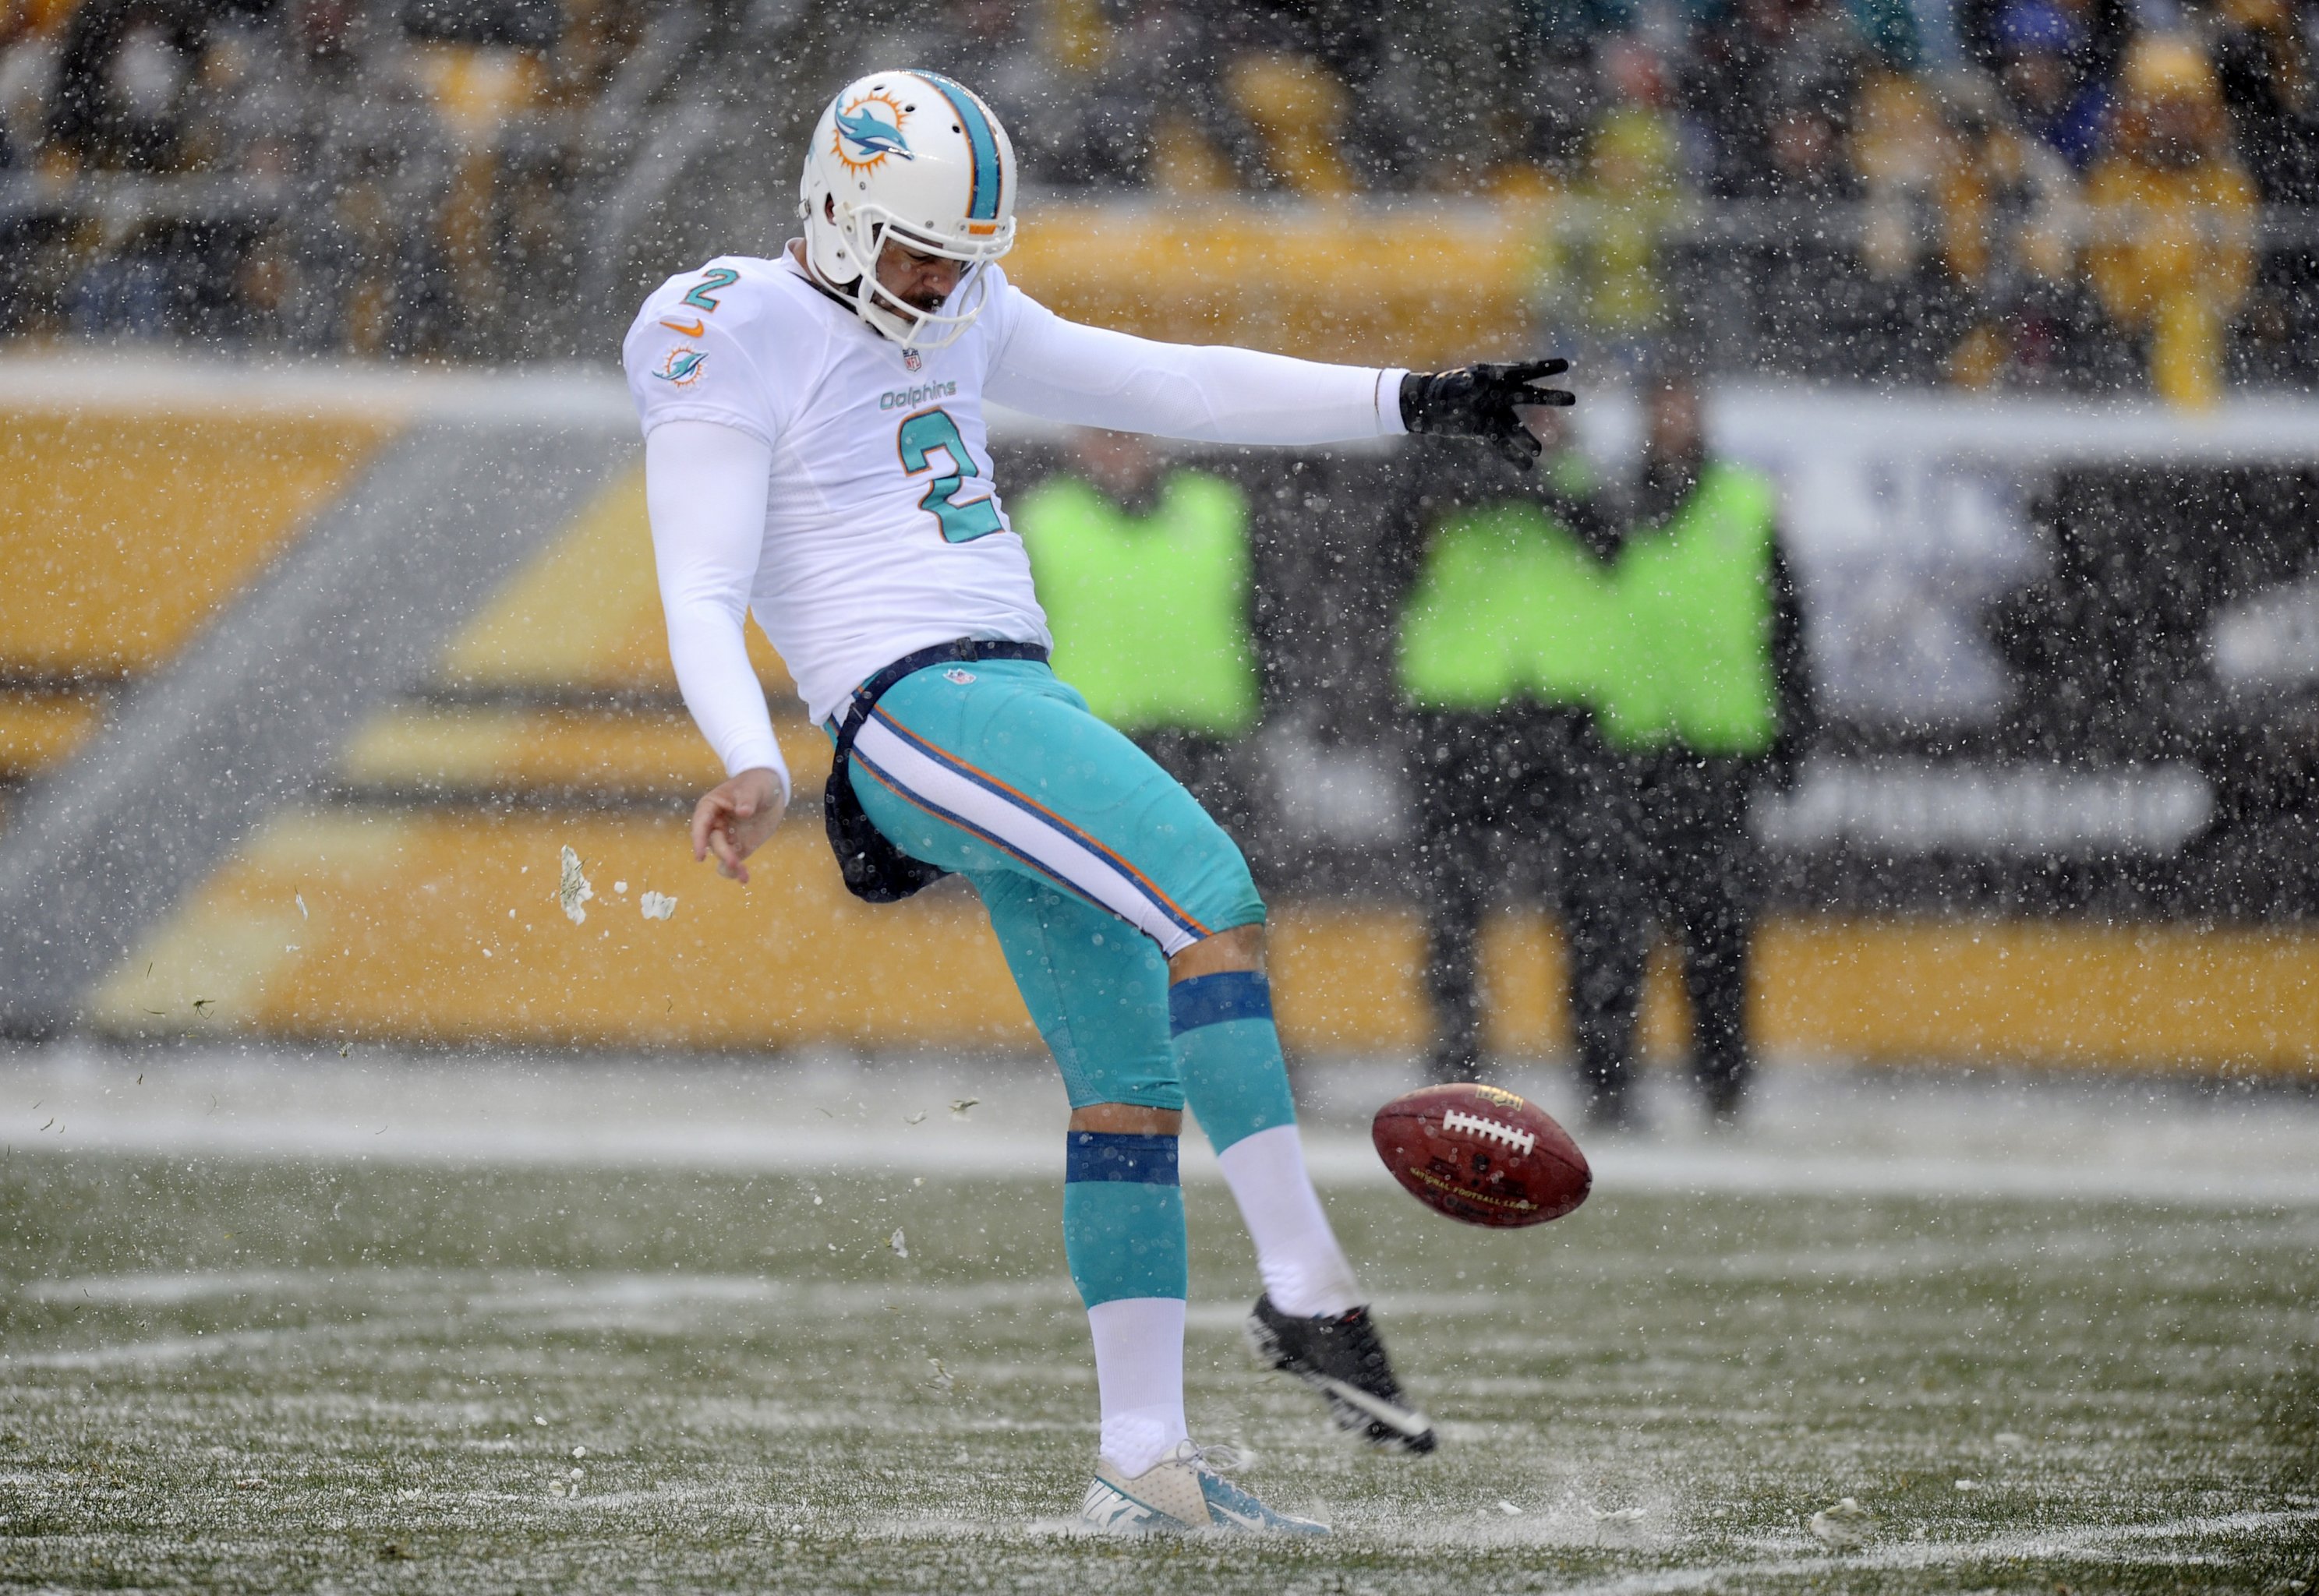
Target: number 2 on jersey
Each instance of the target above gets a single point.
(920, 436)
(713, 282)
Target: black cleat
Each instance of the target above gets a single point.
(1342, 1359)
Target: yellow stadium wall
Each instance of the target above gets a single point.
(444, 927)
(124, 531)
(134, 526)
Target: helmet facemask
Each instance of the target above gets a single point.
(850, 246)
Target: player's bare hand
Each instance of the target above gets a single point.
(733, 819)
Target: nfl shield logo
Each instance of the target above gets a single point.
(958, 676)
(911, 358)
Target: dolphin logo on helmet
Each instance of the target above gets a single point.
(946, 188)
(873, 138)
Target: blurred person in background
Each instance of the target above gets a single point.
(1562, 56)
(1304, 75)
(376, 243)
(1503, 638)
(1970, 220)
(122, 82)
(2172, 219)
(123, 101)
(28, 53)
(2263, 60)
(481, 69)
(1704, 701)
(1124, 549)
(1632, 180)
(1774, 82)
(2263, 70)
(2056, 61)
(1145, 102)
(596, 42)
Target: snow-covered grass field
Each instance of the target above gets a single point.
(477, 1323)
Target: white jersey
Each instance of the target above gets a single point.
(882, 531)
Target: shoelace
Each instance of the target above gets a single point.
(1221, 1460)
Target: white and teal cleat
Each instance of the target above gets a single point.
(1180, 1493)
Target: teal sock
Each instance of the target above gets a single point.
(1123, 1217)
(1234, 1078)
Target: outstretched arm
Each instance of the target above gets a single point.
(704, 488)
(1214, 394)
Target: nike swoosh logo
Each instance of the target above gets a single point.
(1409, 1424)
(689, 329)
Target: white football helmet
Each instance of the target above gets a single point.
(919, 159)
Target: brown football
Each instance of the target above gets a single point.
(1480, 1155)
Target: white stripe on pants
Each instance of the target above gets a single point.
(1055, 850)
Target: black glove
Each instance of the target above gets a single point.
(1479, 401)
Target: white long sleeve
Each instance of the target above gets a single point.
(1095, 377)
(704, 489)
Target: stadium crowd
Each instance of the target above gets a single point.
(2082, 193)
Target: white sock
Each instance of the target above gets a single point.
(1139, 1373)
(1305, 1272)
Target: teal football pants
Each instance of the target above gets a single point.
(1095, 865)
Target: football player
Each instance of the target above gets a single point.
(816, 453)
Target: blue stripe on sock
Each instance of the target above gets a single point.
(1100, 1155)
(1213, 999)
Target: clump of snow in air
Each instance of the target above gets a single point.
(573, 891)
(959, 1105)
(901, 1247)
(657, 905)
(1968, 1484)
(1509, 1510)
(1843, 1526)
(299, 898)
(620, 888)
